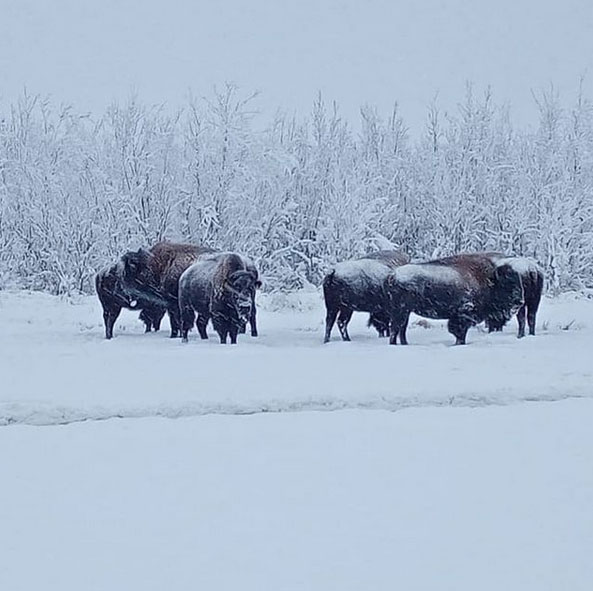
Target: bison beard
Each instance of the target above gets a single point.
(464, 289)
(222, 288)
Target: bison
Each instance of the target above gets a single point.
(220, 287)
(114, 297)
(154, 274)
(358, 286)
(532, 280)
(464, 289)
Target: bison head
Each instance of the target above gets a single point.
(138, 276)
(136, 264)
(242, 285)
(507, 296)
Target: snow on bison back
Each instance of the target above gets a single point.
(357, 286)
(463, 289)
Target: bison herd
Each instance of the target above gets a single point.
(195, 285)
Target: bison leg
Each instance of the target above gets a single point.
(458, 327)
(201, 324)
(521, 321)
(343, 320)
(330, 318)
(109, 317)
(252, 319)
(394, 327)
(156, 320)
(397, 326)
(233, 334)
(187, 321)
(531, 313)
(222, 333)
(402, 331)
(175, 321)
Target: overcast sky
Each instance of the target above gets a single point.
(355, 51)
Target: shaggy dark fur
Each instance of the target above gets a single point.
(113, 297)
(152, 317)
(345, 293)
(220, 287)
(154, 275)
(532, 280)
(465, 289)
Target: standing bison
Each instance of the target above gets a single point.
(154, 274)
(113, 297)
(220, 287)
(358, 286)
(464, 289)
(532, 280)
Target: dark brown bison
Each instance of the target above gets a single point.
(113, 297)
(220, 287)
(464, 289)
(532, 280)
(358, 286)
(154, 274)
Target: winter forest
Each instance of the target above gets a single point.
(297, 195)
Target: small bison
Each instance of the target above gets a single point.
(220, 287)
(532, 280)
(464, 289)
(154, 274)
(358, 286)
(113, 297)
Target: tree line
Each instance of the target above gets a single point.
(76, 191)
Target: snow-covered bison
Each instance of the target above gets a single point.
(154, 274)
(113, 297)
(220, 287)
(358, 286)
(464, 289)
(532, 280)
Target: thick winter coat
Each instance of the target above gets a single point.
(154, 275)
(464, 289)
(532, 280)
(113, 297)
(357, 286)
(220, 287)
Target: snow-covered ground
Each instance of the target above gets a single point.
(438, 497)
(58, 368)
(454, 499)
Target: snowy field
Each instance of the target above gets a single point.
(456, 499)
(465, 488)
(58, 368)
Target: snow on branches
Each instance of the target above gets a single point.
(297, 196)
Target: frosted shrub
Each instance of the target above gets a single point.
(297, 196)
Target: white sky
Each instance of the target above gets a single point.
(355, 51)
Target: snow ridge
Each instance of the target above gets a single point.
(54, 415)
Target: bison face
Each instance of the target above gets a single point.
(242, 285)
(136, 264)
(507, 296)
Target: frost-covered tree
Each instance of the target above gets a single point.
(297, 194)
